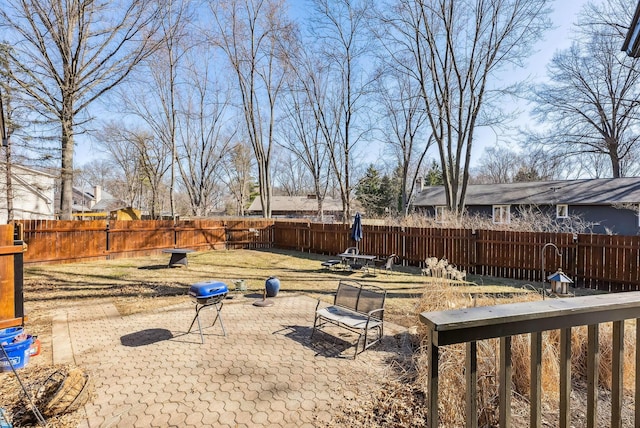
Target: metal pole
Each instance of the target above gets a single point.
(544, 247)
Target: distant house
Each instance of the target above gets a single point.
(33, 194)
(612, 205)
(96, 203)
(299, 207)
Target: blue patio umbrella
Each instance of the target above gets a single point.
(356, 229)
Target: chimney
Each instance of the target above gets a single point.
(97, 195)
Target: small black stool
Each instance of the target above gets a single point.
(205, 294)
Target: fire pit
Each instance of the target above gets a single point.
(205, 294)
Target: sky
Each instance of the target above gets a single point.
(563, 16)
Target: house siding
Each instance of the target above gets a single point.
(603, 219)
(33, 195)
(608, 219)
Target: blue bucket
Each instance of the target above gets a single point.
(18, 353)
(7, 334)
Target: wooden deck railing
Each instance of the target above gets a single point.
(504, 321)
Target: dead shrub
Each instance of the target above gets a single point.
(524, 219)
(452, 386)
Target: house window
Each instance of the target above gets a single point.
(440, 214)
(501, 214)
(562, 211)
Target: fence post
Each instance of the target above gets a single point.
(18, 281)
(175, 233)
(473, 253)
(107, 233)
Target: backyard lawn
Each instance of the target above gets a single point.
(146, 283)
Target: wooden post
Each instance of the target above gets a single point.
(565, 377)
(616, 374)
(11, 303)
(535, 388)
(471, 376)
(504, 388)
(593, 363)
(433, 382)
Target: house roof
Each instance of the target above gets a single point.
(297, 204)
(600, 191)
(107, 202)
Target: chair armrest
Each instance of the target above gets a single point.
(374, 311)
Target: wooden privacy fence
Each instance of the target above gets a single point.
(606, 262)
(72, 241)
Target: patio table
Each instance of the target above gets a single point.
(357, 257)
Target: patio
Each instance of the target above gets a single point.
(266, 372)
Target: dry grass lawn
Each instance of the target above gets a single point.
(146, 283)
(140, 284)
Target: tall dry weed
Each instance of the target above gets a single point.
(528, 219)
(452, 386)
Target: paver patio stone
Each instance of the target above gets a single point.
(160, 420)
(178, 419)
(211, 419)
(266, 372)
(276, 417)
(264, 406)
(260, 418)
(228, 418)
(194, 418)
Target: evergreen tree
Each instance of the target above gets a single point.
(434, 175)
(368, 191)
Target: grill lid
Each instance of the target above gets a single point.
(207, 289)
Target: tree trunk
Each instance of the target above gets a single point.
(66, 170)
(9, 182)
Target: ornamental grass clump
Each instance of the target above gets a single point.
(452, 384)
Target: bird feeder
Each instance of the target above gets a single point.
(560, 282)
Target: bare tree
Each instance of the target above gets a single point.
(69, 53)
(154, 160)
(123, 154)
(292, 177)
(454, 49)
(143, 160)
(340, 26)
(239, 162)
(496, 165)
(5, 136)
(591, 99)
(303, 134)
(252, 34)
(14, 118)
(100, 172)
(403, 120)
(204, 134)
(503, 165)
